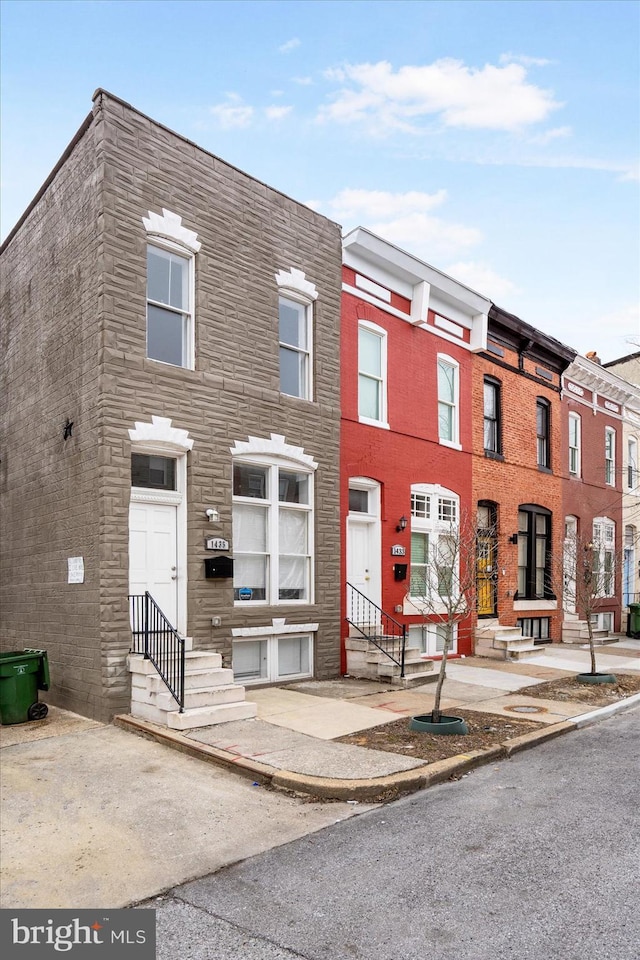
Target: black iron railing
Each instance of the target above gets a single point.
(370, 620)
(159, 641)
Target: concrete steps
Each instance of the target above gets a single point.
(366, 660)
(211, 696)
(577, 631)
(498, 642)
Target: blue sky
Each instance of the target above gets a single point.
(498, 141)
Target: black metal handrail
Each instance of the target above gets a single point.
(371, 621)
(159, 641)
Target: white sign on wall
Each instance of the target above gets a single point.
(75, 567)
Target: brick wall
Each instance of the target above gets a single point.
(49, 351)
(516, 478)
(248, 233)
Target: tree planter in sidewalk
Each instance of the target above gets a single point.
(596, 678)
(445, 726)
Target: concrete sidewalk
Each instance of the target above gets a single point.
(92, 816)
(291, 743)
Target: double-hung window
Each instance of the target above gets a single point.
(604, 538)
(492, 417)
(543, 433)
(295, 326)
(448, 398)
(372, 374)
(272, 533)
(434, 553)
(169, 306)
(575, 434)
(610, 456)
(534, 558)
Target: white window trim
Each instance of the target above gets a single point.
(435, 528)
(383, 422)
(603, 545)
(577, 419)
(610, 432)
(455, 442)
(162, 243)
(276, 454)
(272, 635)
(293, 285)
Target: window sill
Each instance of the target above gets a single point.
(535, 604)
(450, 443)
(374, 423)
(491, 455)
(542, 469)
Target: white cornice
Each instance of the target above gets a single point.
(592, 376)
(160, 435)
(295, 281)
(274, 447)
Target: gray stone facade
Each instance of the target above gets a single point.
(74, 347)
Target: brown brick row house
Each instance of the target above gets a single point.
(170, 349)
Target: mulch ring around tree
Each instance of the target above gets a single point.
(488, 729)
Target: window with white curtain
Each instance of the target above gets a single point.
(575, 435)
(272, 533)
(604, 542)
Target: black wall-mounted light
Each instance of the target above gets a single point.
(513, 538)
(402, 524)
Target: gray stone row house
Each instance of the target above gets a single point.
(170, 366)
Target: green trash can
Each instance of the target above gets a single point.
(22, 674)
(633, 628)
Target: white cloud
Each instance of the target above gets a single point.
(524, 60)
(403, 219)
(556, 133)
(353, 205)
(289, 45)
(491, 97)
(233, 113)
(277, 113)
(479, 276)
(303, 81)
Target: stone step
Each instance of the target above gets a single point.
(210, 716)
(412, 667)
(514, 643)
(205, 697)
(202, 659)
(374, 655)
(503, 633)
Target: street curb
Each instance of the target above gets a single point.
(374, 789)
(602, 713)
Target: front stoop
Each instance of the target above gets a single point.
(211, 696)
(504, 643)
(577, 631)
(366, 661)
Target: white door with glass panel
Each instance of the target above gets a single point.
(363, 539)
(153, 531)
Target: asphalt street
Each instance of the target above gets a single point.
(534, 858)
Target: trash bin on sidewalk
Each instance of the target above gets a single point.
(633, 624)
(22, 674)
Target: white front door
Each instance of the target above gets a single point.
(153, 558)
(363, 539)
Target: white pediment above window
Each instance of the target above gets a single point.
(276, 446)
(169, 226)
(295, 282)
(160, 435)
